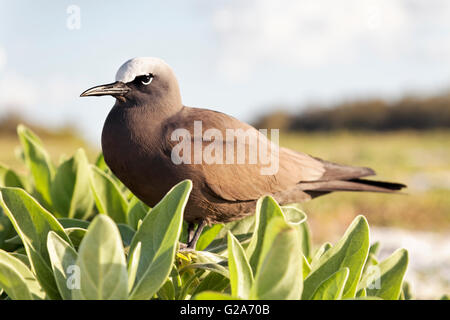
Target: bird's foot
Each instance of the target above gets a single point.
(183, 247)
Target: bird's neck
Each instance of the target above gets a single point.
(155, 111)
(137, 122)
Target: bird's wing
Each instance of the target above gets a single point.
(246, 179)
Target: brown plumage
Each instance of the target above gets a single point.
(137, 145)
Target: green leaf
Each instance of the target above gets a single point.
(100, 162)
(387, 277)
(406, 291)
(18, 153)
(182, 283)
(306, 267)
(371, 259)
(211, 295)
(101, 260)
(70, 190)
(189, 283)
(333, 287)
(6, 232)
(209, 261)
(219, 246)
(208, 236)
(108, 197)
(266, 209)
(297, 218)
(212, 282)
(75, 235)
(241, 275)
(21, 257)
(319, 253)
(39, 163)
(303, 226)
(209, 257)
(167, 291)
(171, 288)
(17, 280)
(351, 251)
(305, 234)
(279, 274)
(137, 210)
(14, 240)
(242, 229)
(208, 266)
(8, 178)
(126, 233)
(361, 293)
(237, 228)
(30, 134)
(293, 215)
(73, 223)
(62, 256)
(133, 264)
(33, 223)
(374, 248)
(159, 234)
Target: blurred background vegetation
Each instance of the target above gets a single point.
(409, 112)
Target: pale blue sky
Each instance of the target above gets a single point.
(239, 57)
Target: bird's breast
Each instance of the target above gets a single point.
(131, 150)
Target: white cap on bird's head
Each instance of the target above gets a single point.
(141, 66)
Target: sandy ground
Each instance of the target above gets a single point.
(429, 258)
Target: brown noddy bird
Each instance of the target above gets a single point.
(138, 145)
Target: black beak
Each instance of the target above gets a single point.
(113, 89)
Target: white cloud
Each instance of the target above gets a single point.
(303, 33)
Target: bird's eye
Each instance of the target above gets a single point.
(146, 79)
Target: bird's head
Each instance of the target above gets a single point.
(141, 81)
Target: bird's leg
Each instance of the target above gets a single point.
(193, 241)
(190, 235)
(190, 231)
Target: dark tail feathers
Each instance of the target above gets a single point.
(316, 189)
